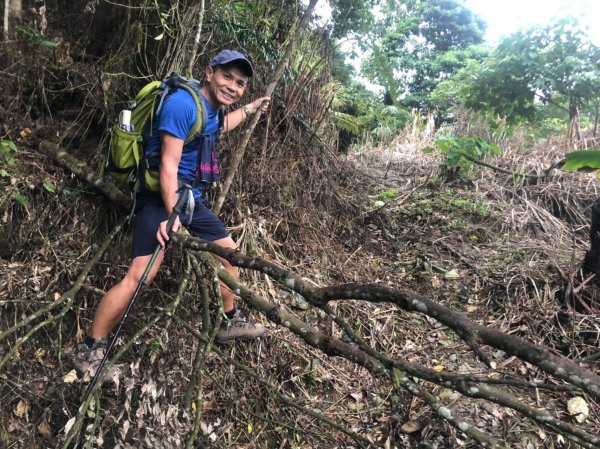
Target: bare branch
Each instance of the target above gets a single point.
(406, 299)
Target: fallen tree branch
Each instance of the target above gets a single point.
(325, 343)
(502, 170)
(540, 416)
(400, 380)
(555, 365)
(68, 296)
(167, 312)
(84, 171)
(208, 345)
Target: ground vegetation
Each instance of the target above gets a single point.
(410, 301)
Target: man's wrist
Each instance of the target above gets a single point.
(246, 110)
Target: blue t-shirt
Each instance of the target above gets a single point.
(177, 117)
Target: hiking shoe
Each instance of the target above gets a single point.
(238, 328)
(87, 361)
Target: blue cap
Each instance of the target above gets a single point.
(227, 56)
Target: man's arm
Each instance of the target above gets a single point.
(234, 118)
(172, 148)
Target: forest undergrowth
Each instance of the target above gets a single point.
(503, 252)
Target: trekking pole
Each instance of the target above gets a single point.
(176, 210)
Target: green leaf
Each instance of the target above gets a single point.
(3, 173)
(347, 122)
(47, 43)
(68, 192)
(249, 427)
(390, 110)
(49, 187)
(577, 160)
(10, 144)
(20, 198)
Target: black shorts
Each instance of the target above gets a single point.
(150, 212)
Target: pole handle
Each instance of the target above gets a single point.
(184, 192)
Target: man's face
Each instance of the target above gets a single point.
(226, 84)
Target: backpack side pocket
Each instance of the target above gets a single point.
(123, 159)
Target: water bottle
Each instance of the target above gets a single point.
(125, 120)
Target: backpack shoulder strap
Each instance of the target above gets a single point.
(200, 115)
(221, 113)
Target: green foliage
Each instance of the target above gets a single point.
(36, 37)
(49, 187)
(348, 107)
(454, 150)
(548, 120)
(347, 122)
(390, 111)
(7, 149)
(416, 44)
(351, 16)
(163, 17)
(460, 206)
(379, 70)
(358, 112)
(12, 192)
(556, 64)
(449, 200)
(582, 159)
(548, 127)
(388, 121)
(388, 194)
(18, 196)
(258, 27)
(452, 92)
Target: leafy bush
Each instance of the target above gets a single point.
(457, 151)
(7, 148)
(388, 194)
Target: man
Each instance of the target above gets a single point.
(227, 77)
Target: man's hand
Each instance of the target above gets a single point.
(259, 103)
(242, 113)
(162, 235)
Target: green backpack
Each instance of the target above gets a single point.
(125, 160)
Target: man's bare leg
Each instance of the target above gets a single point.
(226, 293)
(115, 301)
(234, 325)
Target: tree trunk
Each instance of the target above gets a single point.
(5, 20)
(189, 72)
(592, 257)
(596, 117)
(573, 135)
(13, 11)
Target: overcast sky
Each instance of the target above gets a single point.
(507, 16)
